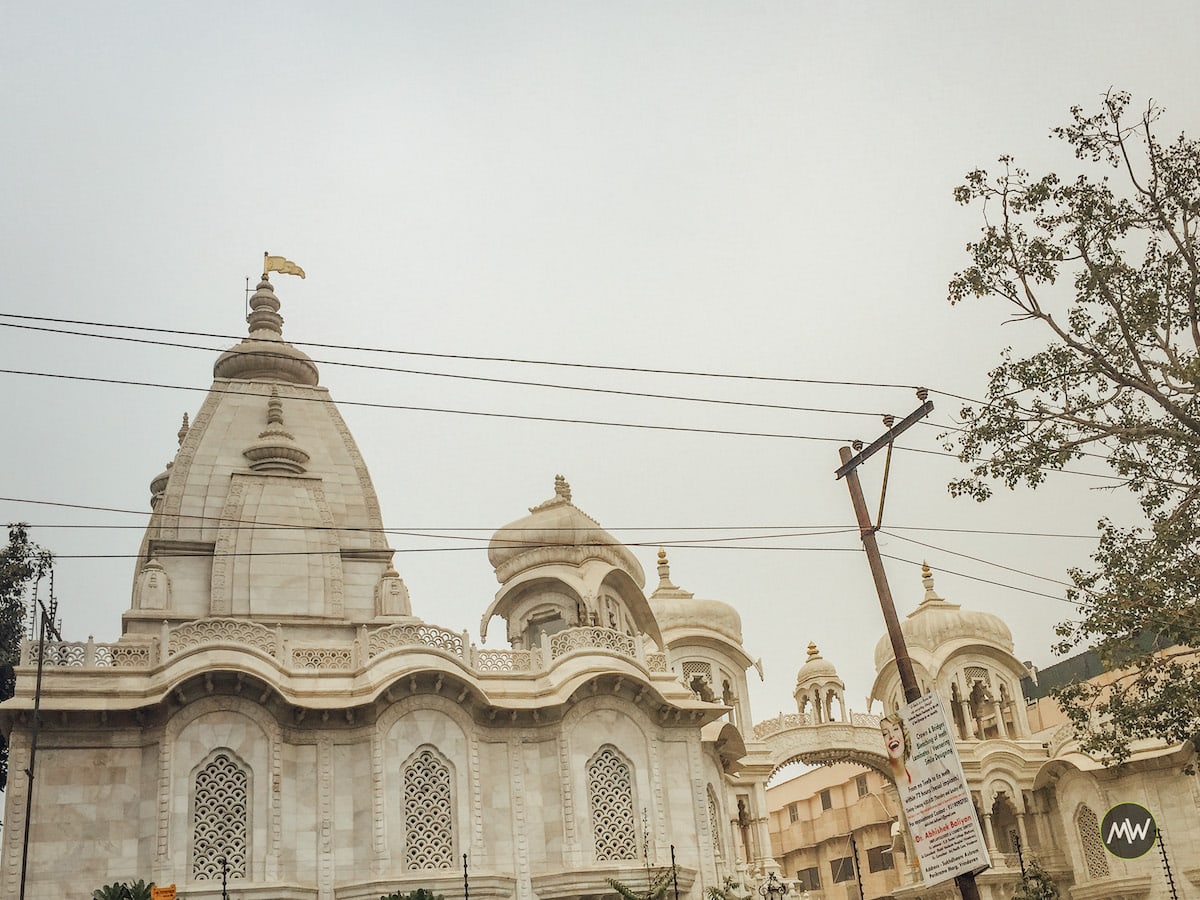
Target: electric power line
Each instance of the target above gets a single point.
(477, 378)
(461, 356)
(93, 379)
(944, 427)
(491, 528)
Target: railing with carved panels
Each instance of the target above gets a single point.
(90, 655)
(336, 656)
(593, 638)
(784, 721)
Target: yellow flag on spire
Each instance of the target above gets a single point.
(279, 264)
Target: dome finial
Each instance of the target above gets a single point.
(264, 313)
(927, 579)
(813, 652)
(664, 572)
(276, 450)
(183, 429)
(562, 488)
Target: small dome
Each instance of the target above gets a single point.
(264, 355)
(557, 531)
(276, 450)
(937, 622)
(158, 484)
(816, 668)
(679, 610)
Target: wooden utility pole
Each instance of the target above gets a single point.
(967, 887)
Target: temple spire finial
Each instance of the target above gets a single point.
(562, 488)
(664, 571)
(927, 580)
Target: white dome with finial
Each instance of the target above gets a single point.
(679, 611)
(816, 668)
(264, 355)
(557, 531)
(937, 622)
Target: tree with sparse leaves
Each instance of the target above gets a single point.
(22, 563)
(1107, 266)
(727, 891)
(1036, 884)
(656, 886)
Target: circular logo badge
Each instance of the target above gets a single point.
(1128, 830)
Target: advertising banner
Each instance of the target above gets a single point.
(933, 792)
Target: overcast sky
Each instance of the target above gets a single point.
(753, 189)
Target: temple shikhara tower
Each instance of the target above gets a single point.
(279, 713)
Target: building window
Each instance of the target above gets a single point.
(879, 859)
(793, 812)
(220, 809)
(826, 799)
(697, 675)
(428, 812)
(714, 822)
(841, 869)
(610, 795)
(808, 879)
(860, 782)
(1094, 853)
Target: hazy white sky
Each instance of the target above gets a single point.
(754, 188)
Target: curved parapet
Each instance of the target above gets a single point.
(794, 738)
(344, 671)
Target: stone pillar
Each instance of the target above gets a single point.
(15, 811)
(1022, 832)
(989, 836)
(1001, 727)
(968, 720)
(765, 860)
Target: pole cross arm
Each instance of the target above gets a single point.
(888, 436)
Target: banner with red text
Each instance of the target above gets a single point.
(937, 804)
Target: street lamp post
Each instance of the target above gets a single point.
(772, 888)
(224, 877)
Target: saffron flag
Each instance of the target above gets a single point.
(279, 264)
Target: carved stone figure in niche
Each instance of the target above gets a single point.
(702, 689)
(391, 595)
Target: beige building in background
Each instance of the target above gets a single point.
(1037, 796)
(825, 818)
(279, 713)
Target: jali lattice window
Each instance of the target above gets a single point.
(977, 674)
(428, 812)
(1094, 853)
(714, 822)
(220, 813)
(610, 795)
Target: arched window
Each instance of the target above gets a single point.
(220, 818)
(428, 812)
(610, 796)
(1094, 853)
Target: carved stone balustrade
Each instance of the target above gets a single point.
(337, 655)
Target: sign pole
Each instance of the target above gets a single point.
(967, 887)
